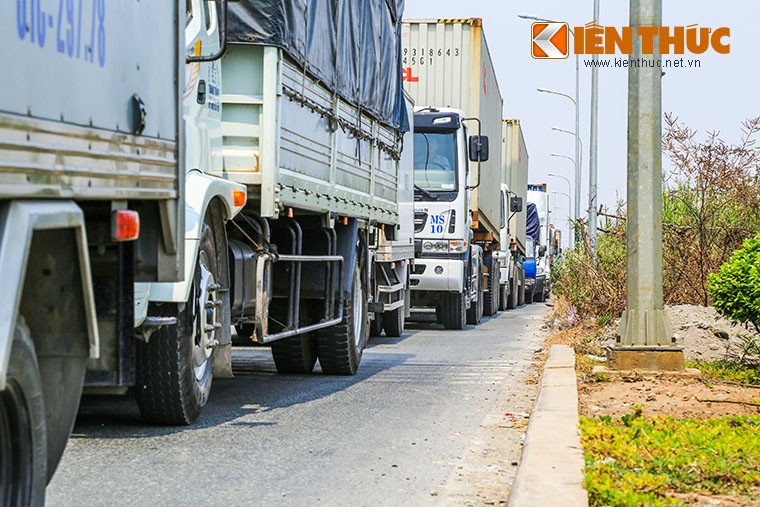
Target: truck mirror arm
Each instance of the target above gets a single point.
(473, 187)
(222, 37)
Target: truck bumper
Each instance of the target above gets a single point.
(445, 275)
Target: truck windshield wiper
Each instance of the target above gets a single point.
(426, 193)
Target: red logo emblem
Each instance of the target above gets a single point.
(408, 77)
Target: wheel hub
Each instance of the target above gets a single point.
(358, 313)
(206, 322)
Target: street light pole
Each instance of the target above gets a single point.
(645, 336)
(593, 137)
(564, 178)
(577, 149)
(571, 227)
(580, 144)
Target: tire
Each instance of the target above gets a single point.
(491, 297)
(475, 312)
(512, 299)
(340, 347)
(376, 325)
(503, 298)
(295, 354)
(23, 430)
(394, 322)
(175, 368)
(454, 310)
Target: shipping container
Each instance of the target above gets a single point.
(515, 172)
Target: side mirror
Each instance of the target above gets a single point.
(478, 148)
(542, 251)
(515, 204)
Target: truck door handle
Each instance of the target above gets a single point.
(202, 92)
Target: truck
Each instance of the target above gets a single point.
(515, 172)
(461, 198)
(538, 195)
(532, 245)
(91, 201)
(312, 126)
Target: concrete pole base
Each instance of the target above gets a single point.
(645, 358)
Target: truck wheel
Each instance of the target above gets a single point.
(454, 310)
(394, 322)
(295, 354)
(491, 296)
(340, 347)
(514, 300)
(376, 325)
(475, 312)
(175, 368)
(23, 432)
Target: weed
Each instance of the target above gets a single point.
(636, 460)
(727, 370)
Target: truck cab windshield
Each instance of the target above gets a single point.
(435, 162)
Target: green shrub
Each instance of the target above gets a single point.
(735, 289)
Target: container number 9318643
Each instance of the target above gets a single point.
(76, 28)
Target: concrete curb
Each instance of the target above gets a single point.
(551, 469)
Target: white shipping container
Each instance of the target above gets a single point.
(515, 172)
(447, 64)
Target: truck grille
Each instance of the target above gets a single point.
(420, 218)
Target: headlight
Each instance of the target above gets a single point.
(435, 246)
(539, 270)
(443, 246)
(457, 246)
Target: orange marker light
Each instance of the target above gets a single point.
(125, 225)
(239, 198)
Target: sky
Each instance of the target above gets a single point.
(718, 96)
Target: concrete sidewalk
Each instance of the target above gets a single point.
(551, 469)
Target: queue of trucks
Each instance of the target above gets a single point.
(229, 173)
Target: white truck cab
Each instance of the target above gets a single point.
(448, 270)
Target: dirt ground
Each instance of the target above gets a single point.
(703, 335)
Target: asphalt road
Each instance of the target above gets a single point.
(422, 423)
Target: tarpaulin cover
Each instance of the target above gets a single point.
(533, 224)
(352, 46)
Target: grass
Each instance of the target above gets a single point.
(729, 371)
(635, 460)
